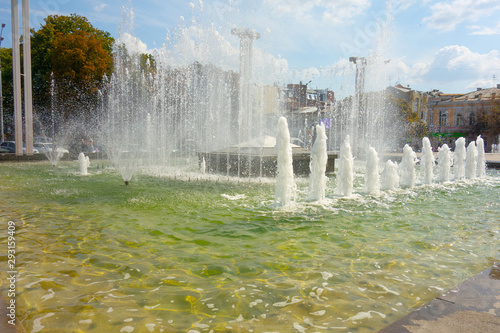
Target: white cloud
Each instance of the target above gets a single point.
(100, 7)
(481, 83)
(205, 45)
(132, 43)
(339, 11)
(453, 65)
(447, 15)
(485, 30)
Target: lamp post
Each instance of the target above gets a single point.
(1, 95)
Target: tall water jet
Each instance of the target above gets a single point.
(389, 180)
(471, 161)
(188, 98)
(407, 167)
(444, 160)
(203, 166)
(319, 159)
(427, 160)
(372, 177)
(285, 184)
(459, 159)
(84, 163)
(481, 160)
(345, 173)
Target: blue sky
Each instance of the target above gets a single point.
(451, 45)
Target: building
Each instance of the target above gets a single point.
(459, 115)
(305, 108)
(417, 100)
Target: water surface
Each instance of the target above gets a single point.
(166, 254)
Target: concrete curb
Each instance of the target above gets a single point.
(473, 306)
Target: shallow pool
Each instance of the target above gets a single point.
(172, 255)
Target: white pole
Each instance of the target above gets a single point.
(2, 135)
(16, 70)
(28, 90)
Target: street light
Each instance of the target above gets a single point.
(1, 96)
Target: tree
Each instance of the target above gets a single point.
(80, 58)
(76, 53)
(413, 126)
(477, 122)
(492, 117)
(7, 86)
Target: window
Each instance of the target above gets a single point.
(443, 119)
(459, 120)
(472, 119)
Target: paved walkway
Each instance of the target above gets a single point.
(473, 306)
(5, 327)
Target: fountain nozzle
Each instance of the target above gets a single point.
(126, 182)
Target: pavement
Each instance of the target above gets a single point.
(5, 326)
(473, 306)
(493, 161)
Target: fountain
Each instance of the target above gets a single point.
(219, 255)
(285, 185)
(319, 160)
(445, 160)
(183, 250)
(407, 167)
(427, 160)
(389, 179)
(372, 177)
(471, 161)
(481, 161)
(459, 159)
(203, 166)
(84, 163)
(345, 172)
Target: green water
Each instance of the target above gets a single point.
(172, 255)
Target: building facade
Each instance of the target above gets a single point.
(460, 115)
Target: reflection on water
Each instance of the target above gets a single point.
(162, 254)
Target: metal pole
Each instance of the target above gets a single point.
(1, 95)
(16, 70)
(28, 90)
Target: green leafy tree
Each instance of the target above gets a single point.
(7, 85)
(411, 123)
(75, 54)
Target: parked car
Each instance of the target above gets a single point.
(11, 147)
(47, 147)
